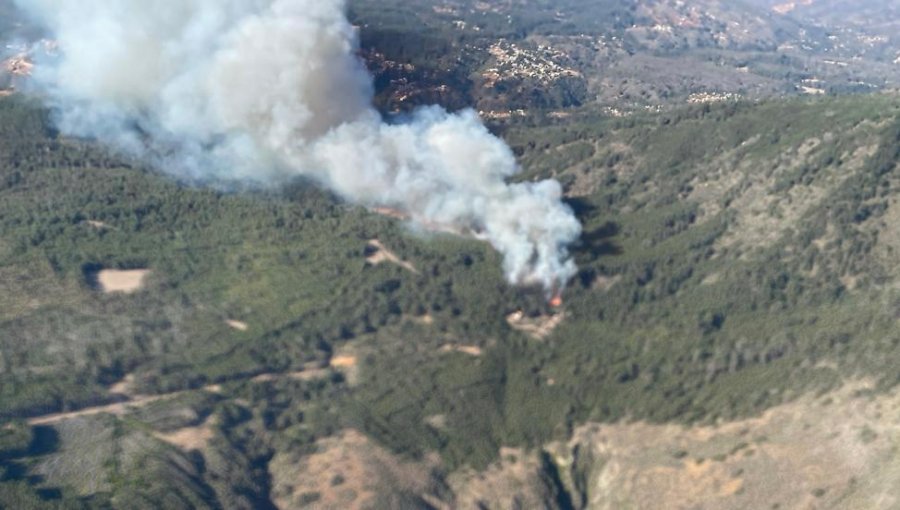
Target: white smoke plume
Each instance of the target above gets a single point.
(263, 90)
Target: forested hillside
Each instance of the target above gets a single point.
(730, 340)
(736, 256)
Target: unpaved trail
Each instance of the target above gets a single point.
(300, 375)
(125, 387)
(117, 408)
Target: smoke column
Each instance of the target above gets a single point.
(263, 90)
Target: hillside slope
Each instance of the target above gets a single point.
(624, 55)
(737, 257)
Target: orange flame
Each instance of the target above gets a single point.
(557, 301)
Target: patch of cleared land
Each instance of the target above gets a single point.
(123, 387)
(605, 283)
(377, 253)
(189, 438)
(124, 282)
(99, 225)
(424, 320)
(471, 350)
(346, 362)
(237, 325)
(536, 327)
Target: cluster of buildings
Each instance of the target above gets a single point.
(513, 61)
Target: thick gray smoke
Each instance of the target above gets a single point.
(267, 89)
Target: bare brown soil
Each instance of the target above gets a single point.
(124, 387)
(237, 325)
(347, 472)
(424, 320)
(300, 375)
(471, 350)
(380, 255)
(99, 225)
(189, 438)
(536, 327)
(512, 482)
(125, 282)
(830, 451)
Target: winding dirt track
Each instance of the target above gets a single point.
(117, 409)
(343, 363)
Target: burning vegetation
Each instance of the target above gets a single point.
(20, 65)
